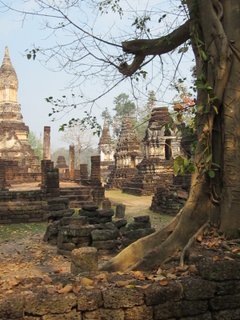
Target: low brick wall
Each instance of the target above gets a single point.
(212, 294)
(31, 206)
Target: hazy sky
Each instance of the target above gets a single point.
(36, 82)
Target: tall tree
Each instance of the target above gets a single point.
(212, 28)
(36, 144)
(123, 106)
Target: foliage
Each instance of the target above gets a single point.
(36, 144)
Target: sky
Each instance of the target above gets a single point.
(38, 81)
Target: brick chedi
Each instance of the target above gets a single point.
(106, 151)
(127, 155)
(62, 167)
(14, 145)
(161, 145)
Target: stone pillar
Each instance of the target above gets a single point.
(71, 162)
(95, 170)
(83, 172)
(46, 144)
(46, 165)
(50, 178)
(2, 176)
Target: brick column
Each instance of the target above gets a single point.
(71, 162)
(50, 178)
(46, 144)
(83, 172)
(2, 176)
(95, 170)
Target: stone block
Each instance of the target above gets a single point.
(73, 315)
(204, 316)
(122, 298)
(120, 211)
(156, 294)
(84, 260)
(89, 207)
(139, 313)
(107, 244)
(219, 270)
(11, 307)
(225, 302)
(66, 246)
(75, 231)
(227, 315)
(106, 204)
(142, 219)
(104, 314)
(198, 289)
(179, 309)
(120, 223)
(106, 213)
(227, 287)
(102, 235)
(89, 300)
(44, 303)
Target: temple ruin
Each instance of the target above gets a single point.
(21, 163)
(106, 151)
(161, 146)
(127, 155)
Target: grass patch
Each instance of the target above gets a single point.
(20, 230)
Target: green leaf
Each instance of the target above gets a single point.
(211, 173)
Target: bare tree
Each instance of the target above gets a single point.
(212, 28)
(82, 140)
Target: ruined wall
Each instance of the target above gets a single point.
(212, 294)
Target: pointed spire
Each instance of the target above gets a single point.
(6, 59)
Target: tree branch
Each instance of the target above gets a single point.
(160, 45)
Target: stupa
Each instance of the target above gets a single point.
(127, 155)
(14, 145)
(161, 146)
(106, 151)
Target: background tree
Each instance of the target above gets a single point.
(82, 140)
(36, 144)
(123, 106)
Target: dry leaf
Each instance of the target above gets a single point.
(101, 277)
(216, 258)
(68, 288)
(138, 275)
(163, 282)
(192, 268)
(123, 283)
(86, 282)
(228, 258)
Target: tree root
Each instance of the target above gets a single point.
(137, 250)
(190, 242)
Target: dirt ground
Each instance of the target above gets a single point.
(23, 253)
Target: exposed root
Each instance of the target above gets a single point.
(190, 242)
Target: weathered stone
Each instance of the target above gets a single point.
(44, 303)
(89, 300)
(156, 294)
(106, 204)
(122, 298)
(104, 314)
(106, 213)
(107, 244)
(225, 302)
(227, 287)
(73, 315)
(179, 309)
(120, 223)
(198, 289)
(101, 235)
(227, 315)
(84, 260)
(76, 231)
(11, 307)
(220, 270)
(139, 313)
(120, 211)
(204, 316)
(142, 219)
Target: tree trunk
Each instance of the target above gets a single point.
(215, 35)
